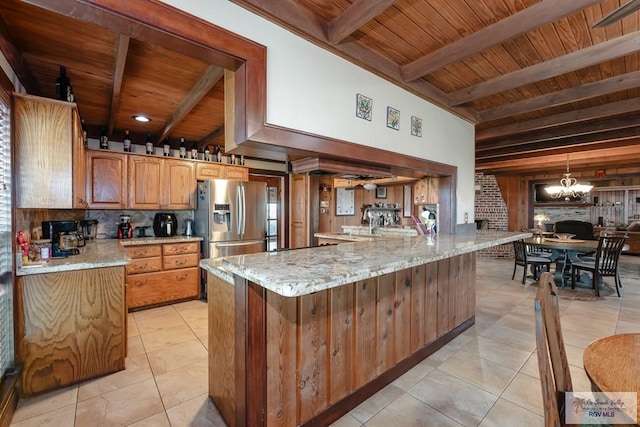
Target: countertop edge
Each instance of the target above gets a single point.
(100, 253)
(354, 265)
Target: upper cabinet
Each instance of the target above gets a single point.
(425, 191)
(145, 182)
(106, 179)
(49, 153)
(179, 184)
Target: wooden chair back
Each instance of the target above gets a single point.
(608, 254)
(520, 252)
(555, 378)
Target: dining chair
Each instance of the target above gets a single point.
(553, 365)
(605, 263)
(523, 259)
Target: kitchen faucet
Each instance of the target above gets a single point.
(372, 221)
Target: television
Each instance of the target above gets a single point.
(541, 196)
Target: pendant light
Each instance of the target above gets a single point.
(568, 188)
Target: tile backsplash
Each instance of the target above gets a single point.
(108, 220)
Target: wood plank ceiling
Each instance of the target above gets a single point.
(541, 83)
(114, 76)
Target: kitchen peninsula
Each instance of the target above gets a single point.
(301, 337)
(71, 313)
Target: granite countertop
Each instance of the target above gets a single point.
(157, 240)
(99, 253)
(304, 271)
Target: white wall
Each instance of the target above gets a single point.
(312, 90)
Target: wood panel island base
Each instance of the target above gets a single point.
(302, 337)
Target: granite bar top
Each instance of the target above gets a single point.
(299, 272)
(157, 240)
(99, 253)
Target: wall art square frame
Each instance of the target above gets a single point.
(381, 192)
(416, 126)
(393, 118)
(364, 107)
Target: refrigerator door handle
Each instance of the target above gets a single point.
(244, 208)
(239, 210)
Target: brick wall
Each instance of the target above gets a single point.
(490, 205)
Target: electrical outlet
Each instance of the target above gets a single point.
(466, 217)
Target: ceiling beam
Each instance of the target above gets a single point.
(118, 76)
(624, 10)
(559, 132)
(591, 113)
(293, 16)
(359, 13)
(561, 97)
(620, 137)
(17, 61)
(504, 30)
(557, 160)
(210, 77)
(579, 59)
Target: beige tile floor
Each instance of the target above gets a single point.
(488, 376)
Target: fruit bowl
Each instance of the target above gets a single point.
(564, 236)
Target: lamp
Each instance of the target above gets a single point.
(568, 188)
(540, 218)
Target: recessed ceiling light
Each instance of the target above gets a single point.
(141, 118)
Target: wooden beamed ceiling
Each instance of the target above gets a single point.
(117, 71)
(536, 78)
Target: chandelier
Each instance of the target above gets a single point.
(568, 188)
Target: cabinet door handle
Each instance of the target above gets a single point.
(140, 283)
(182, 277)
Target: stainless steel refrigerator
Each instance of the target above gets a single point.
(232, 217)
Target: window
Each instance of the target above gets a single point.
(6, 247)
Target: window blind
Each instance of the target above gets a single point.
(6, 245)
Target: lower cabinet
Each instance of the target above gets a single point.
(70, 327)
(162, 274)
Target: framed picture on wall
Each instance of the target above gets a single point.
(406, 201)
(381, 192)
(345, 201)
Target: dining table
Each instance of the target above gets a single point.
(612, 364)
(564, 252)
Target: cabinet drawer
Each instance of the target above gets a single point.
(161, 287)
(144, 265)
(144, 251)
(171, 262)
(181, 248)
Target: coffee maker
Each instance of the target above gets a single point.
(125, 230)
(64, 237)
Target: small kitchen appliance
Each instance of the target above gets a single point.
(125, 230)
(63, 235)
(165, 224)
(188, 227)
(89, 228)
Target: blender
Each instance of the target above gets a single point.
(125, 231)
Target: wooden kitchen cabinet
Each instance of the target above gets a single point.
(236, 172)
(70, 327)
(146, 175)
(208, 170)
(425, 191)
(179, 189)
(49, 153)
(162, 274)
(106, 179)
